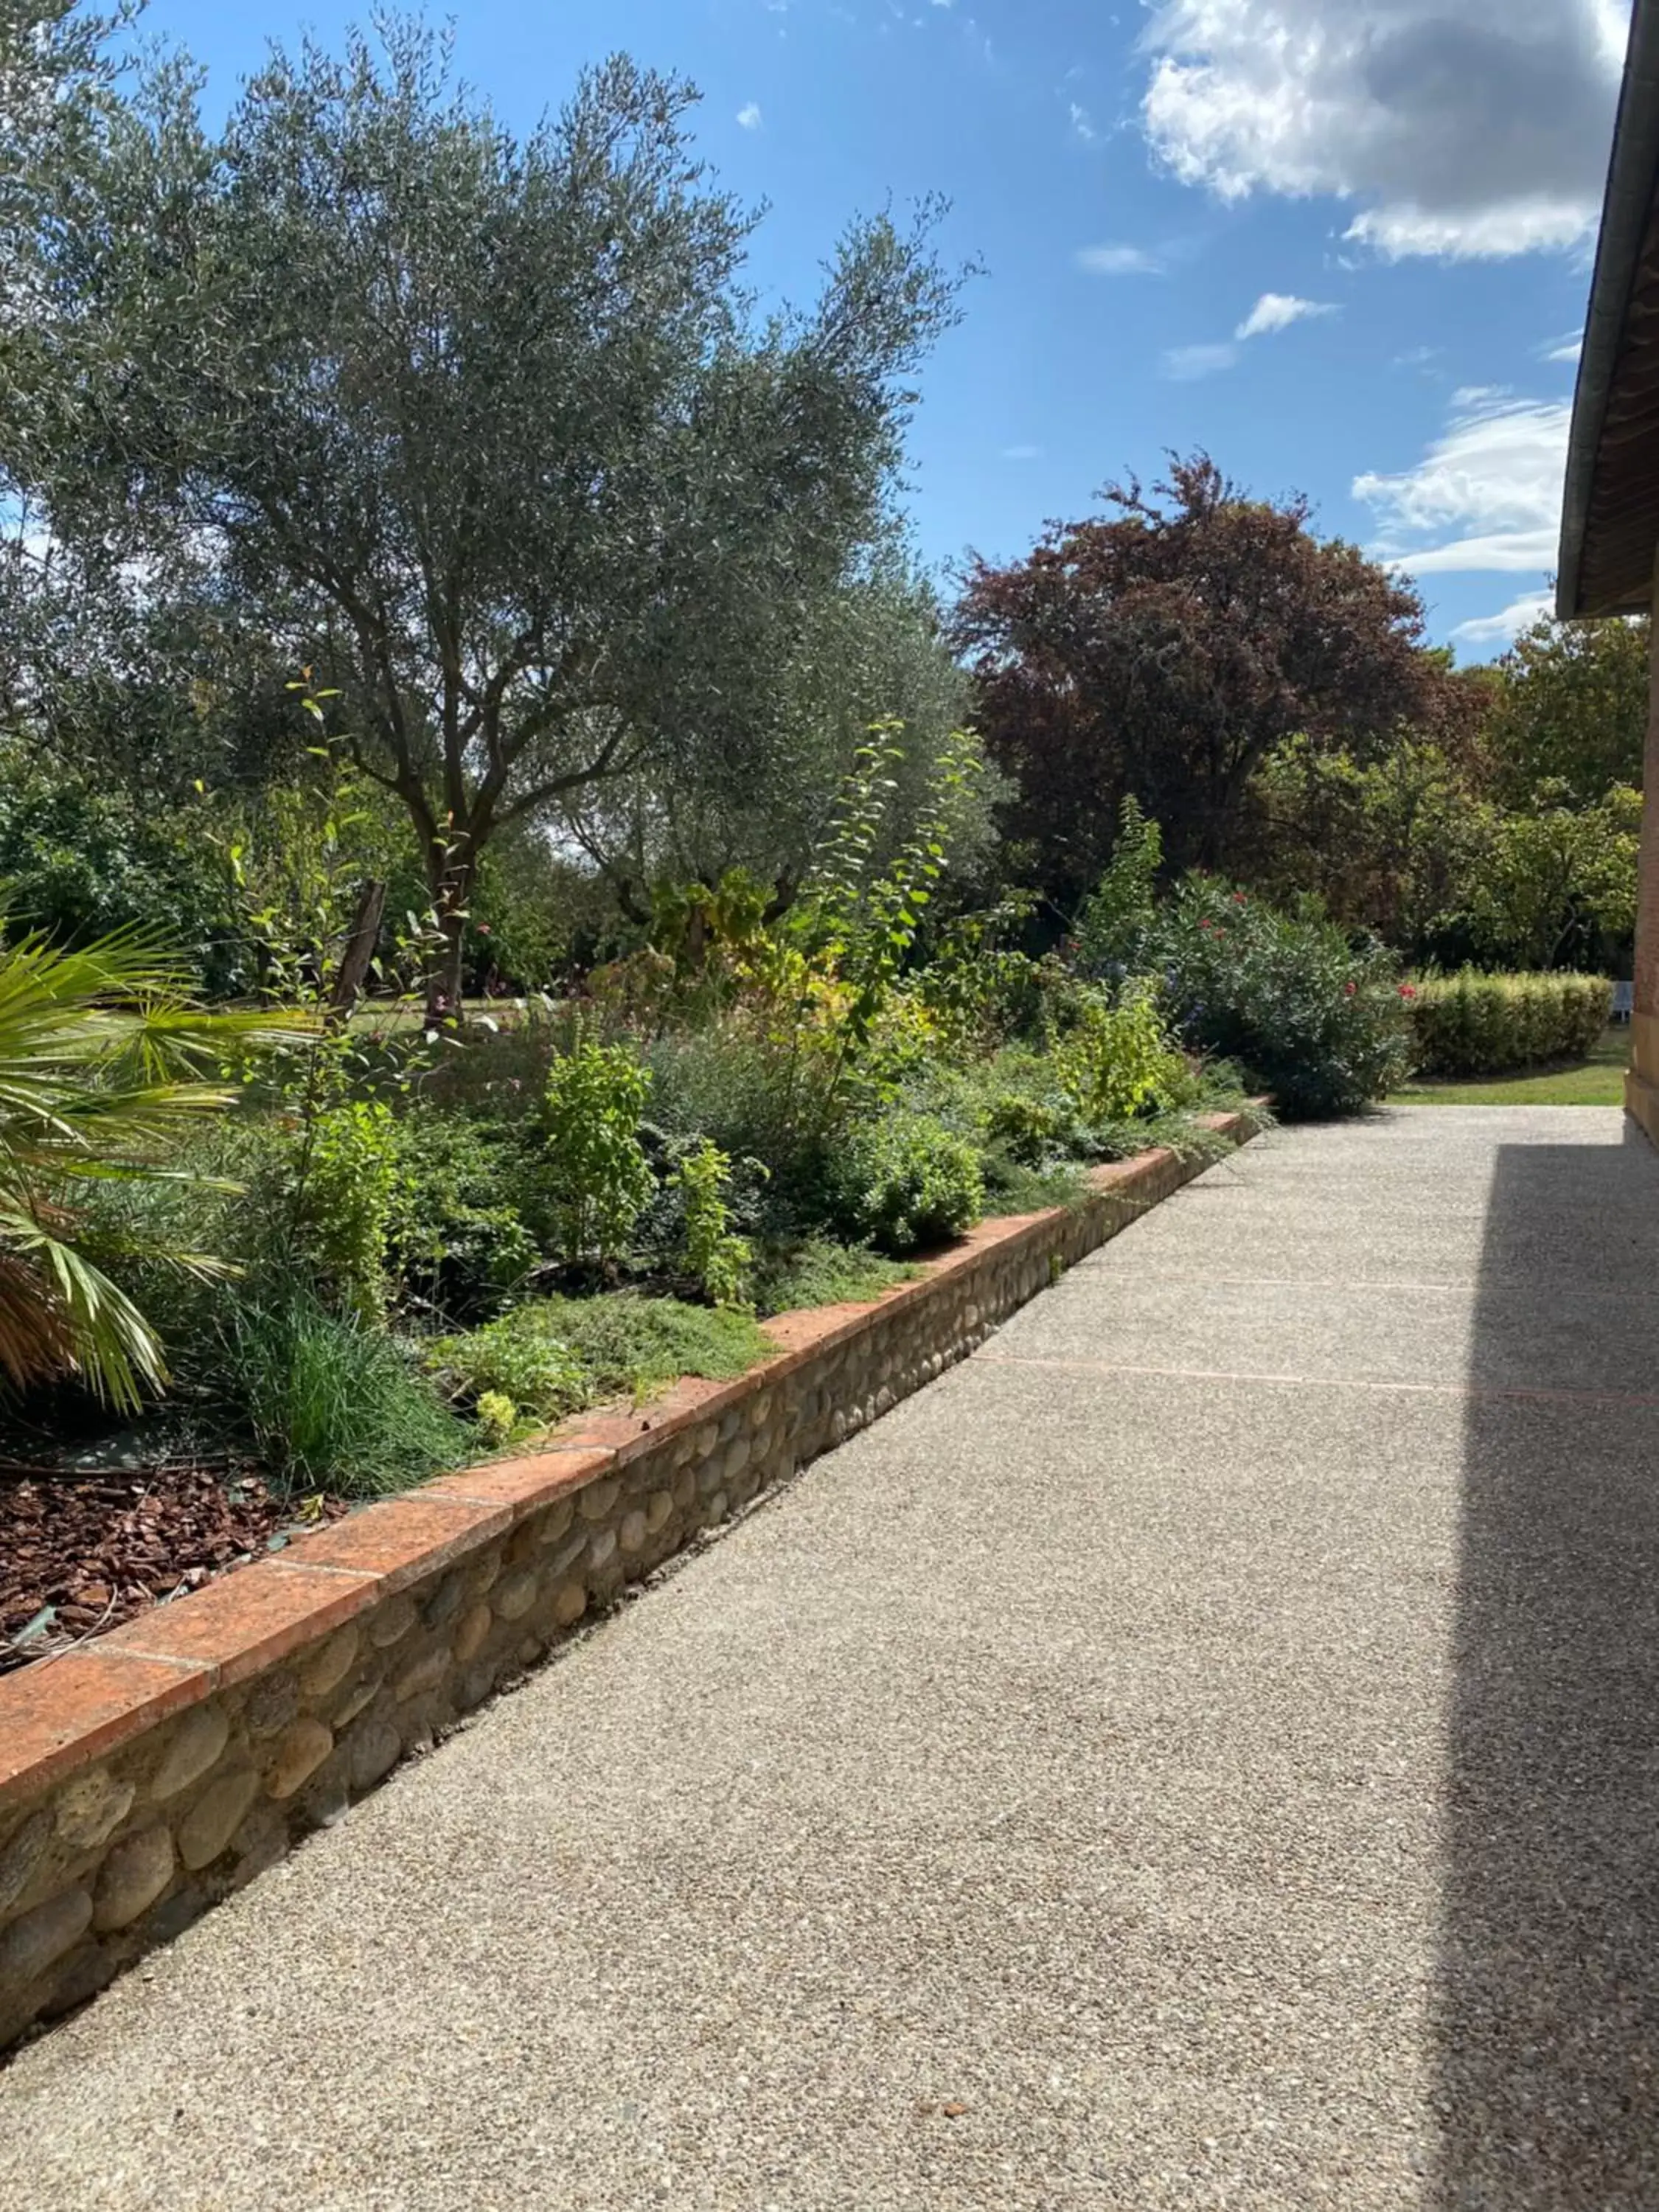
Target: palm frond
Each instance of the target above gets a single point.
(83, 1323)
(104, 1063)
(35, 1341)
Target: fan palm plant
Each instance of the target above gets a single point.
(106, 1064)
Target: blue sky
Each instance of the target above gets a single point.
(1342, 244)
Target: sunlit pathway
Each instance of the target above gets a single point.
(1202, 1753)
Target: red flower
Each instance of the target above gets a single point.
(1348, 989)
(1238, 898)
(1408, 990)
(1206, 923)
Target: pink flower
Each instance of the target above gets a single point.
(1348, 989)
(1408, 990)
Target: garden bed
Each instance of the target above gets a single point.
(164, 1764)
(84, 1550)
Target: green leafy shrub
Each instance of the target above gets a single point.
(856, 921)
(1117, 914)
(329, 1403)
(905, 1180)
(1315, 1021)
(1116, 1062)
(1477, 1025)
(554, 1356)
(1028, 1129)
(455, 1237)
(731, 1084)
(497, 1416)
(980, 987)
(520, 1359)
(712, 1254)
(816, 1271)
(346, 1186)
(596, 1177)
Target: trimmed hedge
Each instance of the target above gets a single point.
(1476, 1024)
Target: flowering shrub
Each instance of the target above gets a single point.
(1476, 1024)
(1321, 1025)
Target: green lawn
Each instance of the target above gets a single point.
(1597, 1081)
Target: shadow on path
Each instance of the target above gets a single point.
(1547, 2043)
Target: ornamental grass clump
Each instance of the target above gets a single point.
(330, 1402)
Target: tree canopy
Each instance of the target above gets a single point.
(1160, 651)
(873, 649)
(487, 431)
(1570, 703)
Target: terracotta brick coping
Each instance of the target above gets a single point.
(63, 1713)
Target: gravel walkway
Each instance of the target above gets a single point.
(1200, 1753)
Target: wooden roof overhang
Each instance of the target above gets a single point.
(1610, 511)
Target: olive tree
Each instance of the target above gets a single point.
(873, 649)
(489, 426)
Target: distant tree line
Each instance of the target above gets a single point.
(1267, 697)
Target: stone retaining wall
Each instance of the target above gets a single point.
(159, 1768)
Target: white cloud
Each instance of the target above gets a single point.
(1485, 499)
(1082, 122)
(1119, 261)
(1489, 552)
(1454, 129)
(1505, 626)
(750, 117)
(1277, 311)
(1565, 348)
(1186, 364)
(1486, 495)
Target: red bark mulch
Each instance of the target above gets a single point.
(81, 1553)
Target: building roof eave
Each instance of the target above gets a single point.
(1627, 241)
